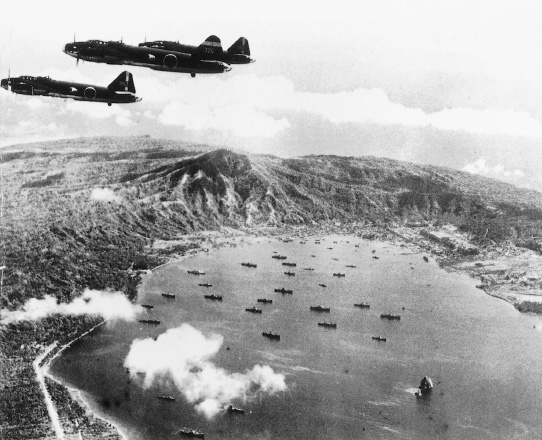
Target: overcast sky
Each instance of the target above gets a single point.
(452, 83)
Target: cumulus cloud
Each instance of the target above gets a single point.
(481, 167)
(98, 110)
(248, 105)
(184, 354)
(104, 195)
(109, 305)
(241, 120)
(36, 103)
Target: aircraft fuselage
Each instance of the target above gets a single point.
(45, 86)
(206, 53)
(113, 52)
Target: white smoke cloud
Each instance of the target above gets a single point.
(184, 354)
(109, 305)
(104, 195)
(481, 166)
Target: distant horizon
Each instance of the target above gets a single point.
(7, 149)
(436, 83)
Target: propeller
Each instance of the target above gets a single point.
(9, 80)
(78, 52)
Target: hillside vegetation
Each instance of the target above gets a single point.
(63, 233)
(58, 238)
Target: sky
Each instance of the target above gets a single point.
(455, 84)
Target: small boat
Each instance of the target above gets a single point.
(271, 335)
(426, 259)
(379, 338)
(168, 295)
(283, 290)
(362, 305)
(376, 258)
(290, 273)
(390, 316)
(322, 285)
(320, 309)
(336, 259)
(149, 321)
(279, 257)
(253, 310)
(233, 409)
(308, 268)
(426, 386)
(313, 256)
(327, 324)
(338, 274)
(147, 306)
(265, 300)
(249, 265)
(213, 297)
(205, 285)
(290, 264)
(330, 248)
(356, 245)
(350, 265)
(166, 398)
(196, 272)
(187, 432)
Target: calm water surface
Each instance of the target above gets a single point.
(483, 356)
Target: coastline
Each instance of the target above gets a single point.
(241, 238)
(76, 394)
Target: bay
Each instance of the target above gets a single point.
(484, 357)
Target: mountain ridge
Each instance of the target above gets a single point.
(95, 212)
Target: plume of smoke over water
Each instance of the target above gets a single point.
(184, 354)
(109, 305)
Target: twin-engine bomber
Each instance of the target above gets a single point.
(116, 52)
(120, 91)
(210, 49)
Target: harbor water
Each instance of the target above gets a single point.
(484, 357)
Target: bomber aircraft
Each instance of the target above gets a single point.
(210, 49)
(116, 52)
(120, 91)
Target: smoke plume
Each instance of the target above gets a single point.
(109, 305)
(184, 354)
(104, 195)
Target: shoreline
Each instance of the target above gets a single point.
(249, 238)
(76, 394)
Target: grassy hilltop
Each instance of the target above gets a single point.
(60, 238)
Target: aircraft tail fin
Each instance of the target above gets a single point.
(123, 84)
(210, 48)
(240, 47)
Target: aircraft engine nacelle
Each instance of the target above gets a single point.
(170, 61)
(90, 93)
